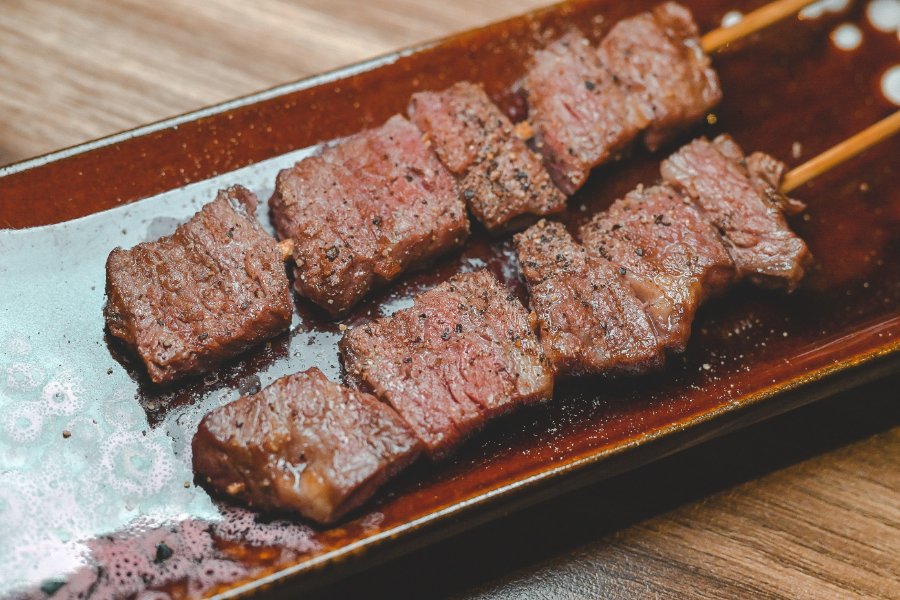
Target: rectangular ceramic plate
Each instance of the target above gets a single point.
(110, 506)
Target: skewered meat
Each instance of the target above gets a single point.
(580, 115)
(379, 203)
(657, 59)
(589, 320)
(214, 288)
(740, 197)
(303, 444)
(364, 211)
(462, 354)
(671, 255)
(588, 104)
(504, 183)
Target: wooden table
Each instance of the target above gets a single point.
(806, 505)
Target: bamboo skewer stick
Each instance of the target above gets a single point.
(750, 23)
(843, 151)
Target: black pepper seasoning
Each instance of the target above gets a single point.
(163, 552)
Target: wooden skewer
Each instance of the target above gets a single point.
(844, 151)
(750, 23)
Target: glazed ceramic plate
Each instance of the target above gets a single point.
(96, 489)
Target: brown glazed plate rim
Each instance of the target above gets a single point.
(868, 358)
(274, 92)
(812, 386)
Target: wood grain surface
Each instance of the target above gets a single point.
(74, 70)
(806, 505)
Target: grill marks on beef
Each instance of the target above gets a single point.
(463, 353)
(589, 321)
(656, 57)
(379, 203)
(390, 199)
(466, 351)
(740, 197)
(364, 211)
(672, 257)
(207, 292)
(718, 216)
(587, 104)
(580, 115)
(502, 180)
(303, 444)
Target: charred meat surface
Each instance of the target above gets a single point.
(463, 353)
(657, 60)
(740, 196)
(671, 255)
(365, 210)
(589, 320)
(303, 444)
(580, 115)
(502, 180)
(209, 291)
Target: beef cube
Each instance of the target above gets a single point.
(209, 291)
(580, 115)
(671, 255)
(503, 181)
(364, 211)
(657, 59)
(463, 353)
(589, 320)
(741, 198)
(303, 444)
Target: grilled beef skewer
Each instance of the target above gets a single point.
(364, 211)
(380, 203)
(317, 448)
(740, 197)
(648, 76)
(465, 351)
(668, 253)
(589, 321)
(209, 291)
(303, 444)
(503, 182)
(462, 354)
(672, 245)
